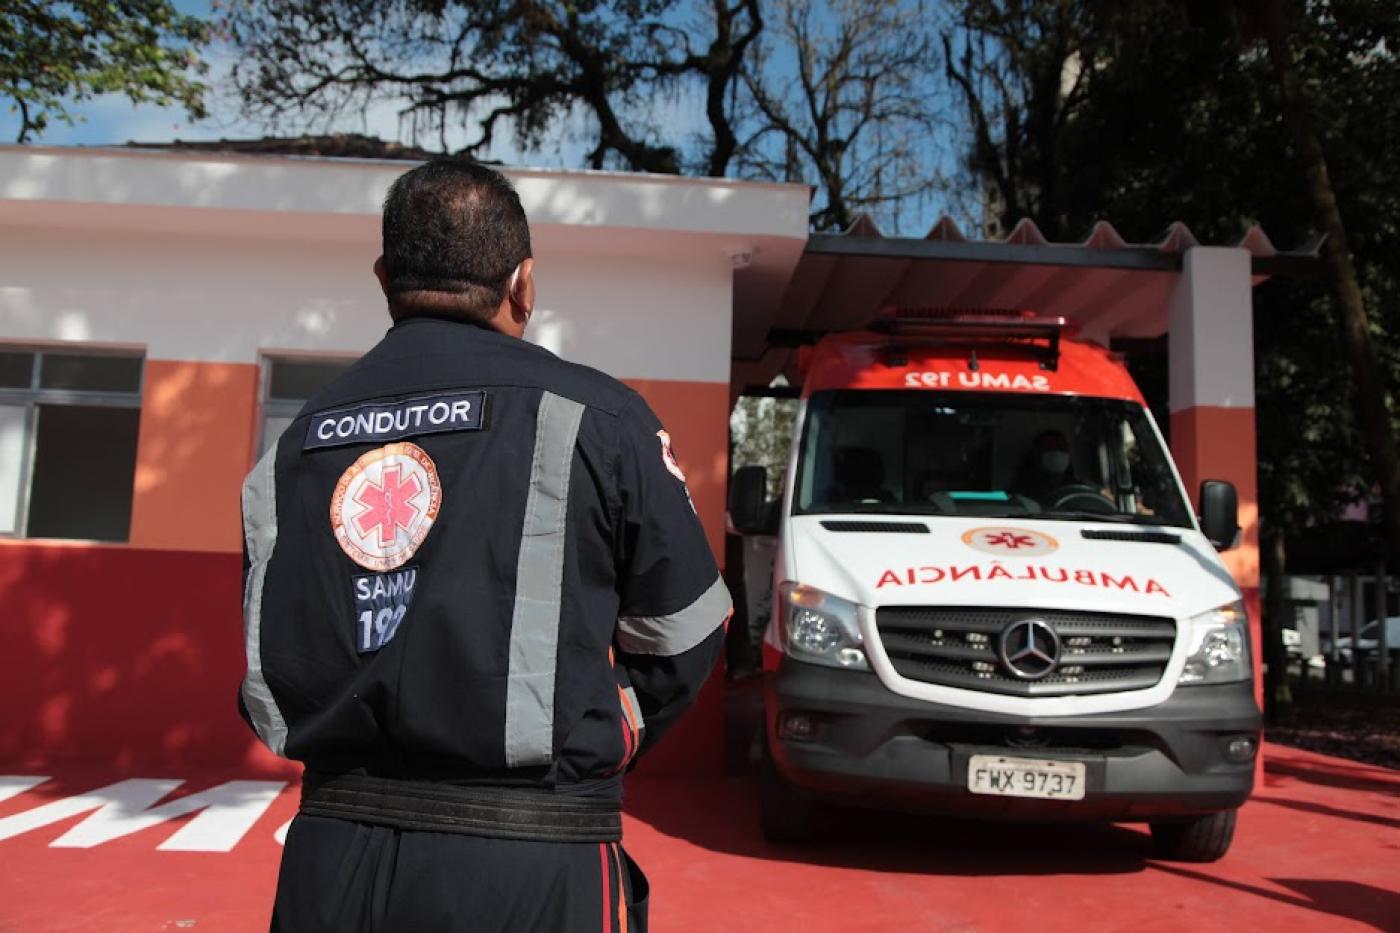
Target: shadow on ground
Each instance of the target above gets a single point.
(723, 817)
(1344, 775)
(1363, 903)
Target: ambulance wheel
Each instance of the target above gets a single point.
(1203, 839)
(784, 816)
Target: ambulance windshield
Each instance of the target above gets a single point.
(1054, 457)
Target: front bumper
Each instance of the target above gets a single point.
(871, 747)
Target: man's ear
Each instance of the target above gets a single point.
(381, 275)
(522, 287)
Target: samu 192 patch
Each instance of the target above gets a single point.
(381, 602)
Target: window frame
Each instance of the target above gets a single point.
(269, 407)
(31, 397)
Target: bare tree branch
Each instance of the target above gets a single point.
(839, 96)
(531, 63)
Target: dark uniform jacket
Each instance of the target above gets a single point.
(469, 561)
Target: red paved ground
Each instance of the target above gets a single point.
(1318, 849)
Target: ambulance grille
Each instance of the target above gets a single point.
(958, 647)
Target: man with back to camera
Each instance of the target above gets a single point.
(475, 590)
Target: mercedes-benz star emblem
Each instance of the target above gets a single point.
(1029, 648)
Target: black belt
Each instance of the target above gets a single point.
(494, 812)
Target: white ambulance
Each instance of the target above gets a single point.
(992, 596)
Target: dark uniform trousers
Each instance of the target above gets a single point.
(355, 878)
(476, 589)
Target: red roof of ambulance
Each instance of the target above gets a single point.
(864, 360)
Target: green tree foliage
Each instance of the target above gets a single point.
(1158, 110)
(54, 55)
(1371, 405)
(761, 433)
(1154, 111)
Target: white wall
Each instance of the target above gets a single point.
(1211, 336)
(216, 257)
(233, 190)
(649, 308)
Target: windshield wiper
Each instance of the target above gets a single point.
(1059, 515)
(883, 508)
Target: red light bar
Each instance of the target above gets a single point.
(968, 326)
(932, 313)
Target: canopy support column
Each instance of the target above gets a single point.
(1211, 345)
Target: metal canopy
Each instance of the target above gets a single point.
(1111, 288)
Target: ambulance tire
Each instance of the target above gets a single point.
(1204, 839)
(783, 815)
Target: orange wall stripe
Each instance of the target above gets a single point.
(1210, 442)
(195, 446)
(1218, 443)
(198, 423)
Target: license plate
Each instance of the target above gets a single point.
(1025, 777)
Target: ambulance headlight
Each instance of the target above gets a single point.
(1219, 647)
(820, 628)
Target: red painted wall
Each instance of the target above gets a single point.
(132, 658)
(696, 415)
(132, 655)
(123, 656)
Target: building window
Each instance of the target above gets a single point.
(69, 422)
(287, 382)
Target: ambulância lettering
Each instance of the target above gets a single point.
(1024, 573)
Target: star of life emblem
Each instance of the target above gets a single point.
(1011, 542)
(385, 504)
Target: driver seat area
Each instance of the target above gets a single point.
(859, 473)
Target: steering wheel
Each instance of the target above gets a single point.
(1080, 497)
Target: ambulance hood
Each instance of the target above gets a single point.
(962, 561)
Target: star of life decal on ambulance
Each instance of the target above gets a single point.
(1012, 542)
(384, 506)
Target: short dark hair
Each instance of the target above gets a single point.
(453, 233)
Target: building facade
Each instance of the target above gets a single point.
(163, 316)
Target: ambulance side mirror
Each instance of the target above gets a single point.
(748, 508)
(1220, 514)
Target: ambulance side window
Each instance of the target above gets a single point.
(69, 421)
